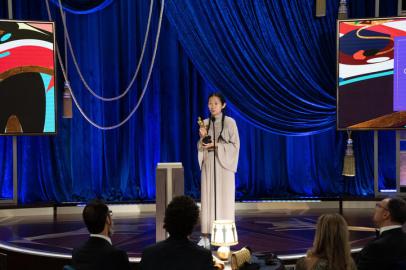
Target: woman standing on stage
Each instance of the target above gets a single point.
(219, 156)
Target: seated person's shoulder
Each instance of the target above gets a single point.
(111, 253)
(403, 235)
(311, 262)
(119, 252)
(201, 250)
(379, 245)
(120, 259)
(156, 251)
(154, 248)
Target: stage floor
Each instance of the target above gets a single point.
(284, 232)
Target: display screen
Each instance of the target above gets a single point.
(371, 91)
(27, 78)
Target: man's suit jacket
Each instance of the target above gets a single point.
(388, 250)
(176, 254)
(98, 254)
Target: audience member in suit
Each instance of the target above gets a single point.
(98, 253)
(178, 252)
(331, 247)
(388, 251)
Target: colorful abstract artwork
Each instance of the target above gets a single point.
(369, 53)
(27, 77)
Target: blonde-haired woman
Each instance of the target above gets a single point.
(331, 247)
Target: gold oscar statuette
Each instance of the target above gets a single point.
(206, 139)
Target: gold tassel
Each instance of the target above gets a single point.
(67, 102)
(349, 159)
(343, 10)
(238, 258)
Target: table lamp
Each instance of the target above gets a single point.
(224, 235)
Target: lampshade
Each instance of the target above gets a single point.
(224, 233)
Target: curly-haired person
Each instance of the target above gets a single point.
(178, 252)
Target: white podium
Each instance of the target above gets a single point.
(169, 184)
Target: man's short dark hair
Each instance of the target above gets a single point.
(94, 216)
(397, 210)
(181, 216)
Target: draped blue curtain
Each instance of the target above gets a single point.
(83, 6)
(362, 8)
(272, 58)
(366, 8)
(6, 168)
(274, 61)
(3, 9)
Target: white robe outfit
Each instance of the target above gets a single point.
(226, 166)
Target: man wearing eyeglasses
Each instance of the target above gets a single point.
(388, 251)
(98, 252)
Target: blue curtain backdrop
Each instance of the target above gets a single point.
(274, 61)
(83, 6)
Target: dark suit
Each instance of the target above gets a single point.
(176, 254)
(99, 254)
(384, 252)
